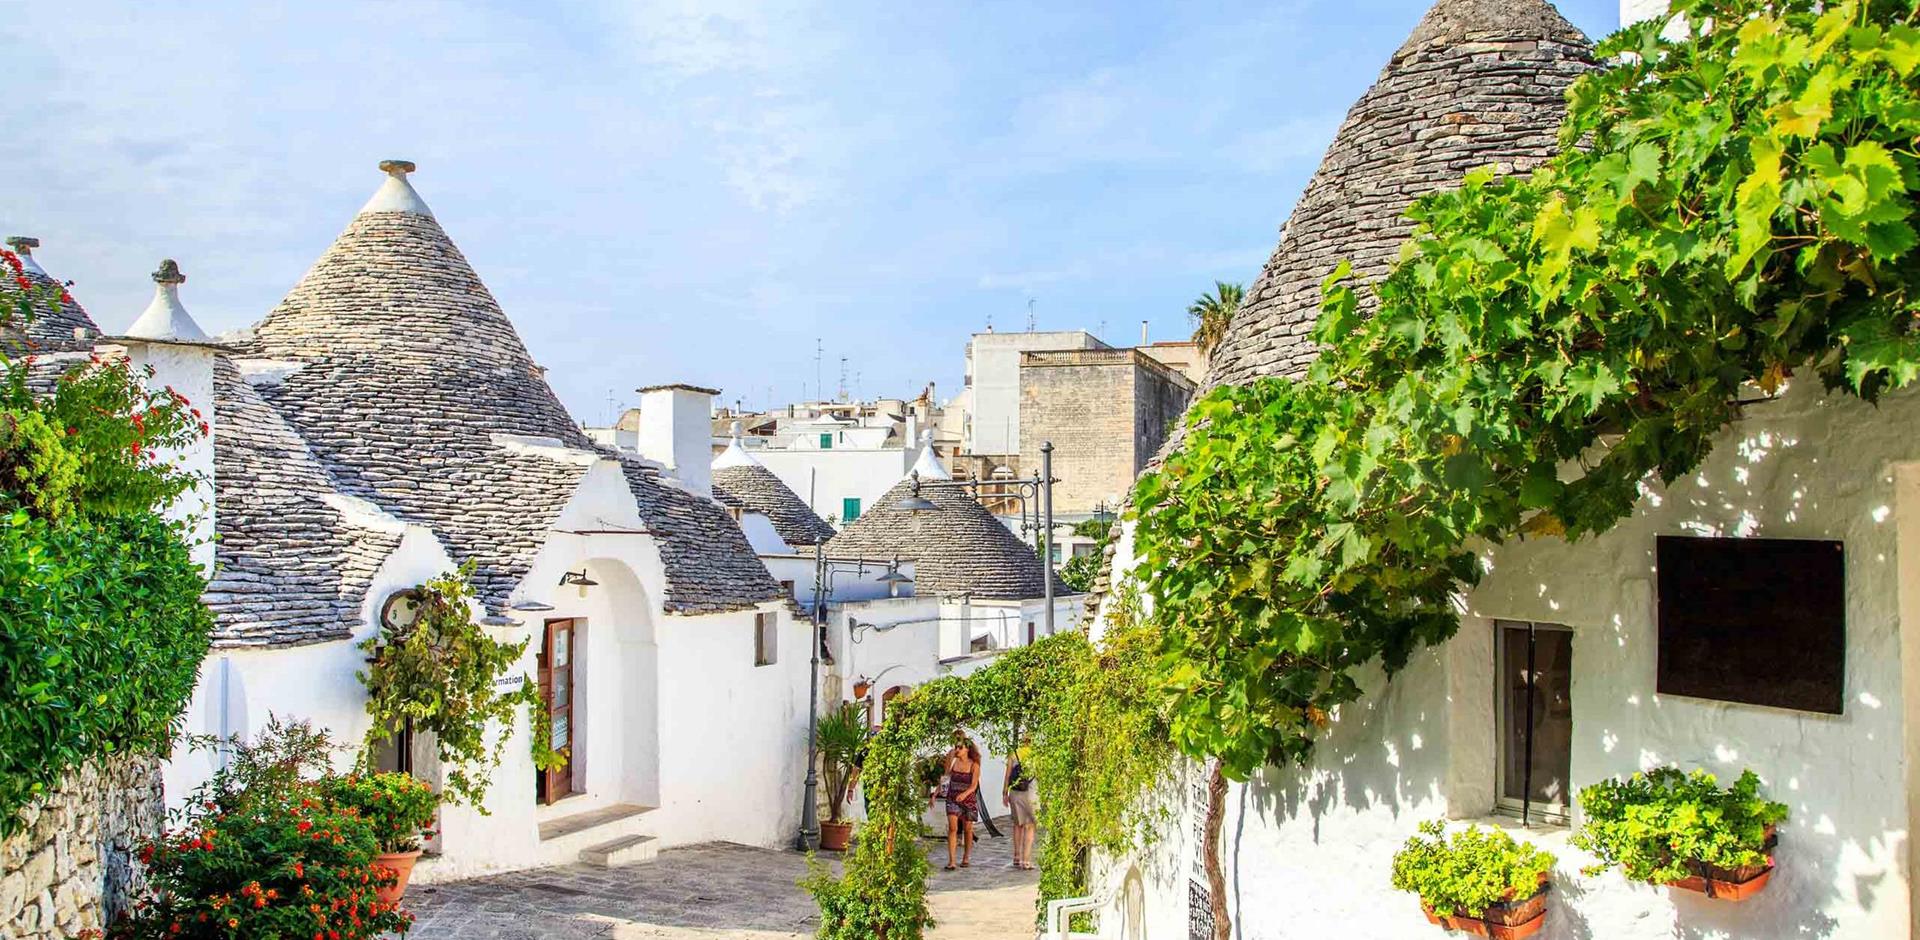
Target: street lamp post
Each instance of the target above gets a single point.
(1046, 506)
(810, 802)
(808, 838)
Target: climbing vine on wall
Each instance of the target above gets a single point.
(1097, 732)
(439, 673)
(1738, 212)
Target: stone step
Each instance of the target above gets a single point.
(616, 814)
(630, 850)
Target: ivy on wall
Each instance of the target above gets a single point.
(1738, 212)
(438, 675)
(1098, 739)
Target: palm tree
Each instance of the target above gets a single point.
(1211, 313)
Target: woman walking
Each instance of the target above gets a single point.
(1018, 795)
(963, 798)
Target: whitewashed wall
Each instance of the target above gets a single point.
(824, 477)
(240, 688)
(1308, 851)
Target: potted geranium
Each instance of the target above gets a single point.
(1482, 882)
(840, 736)
(399, 809)
(1665, 826)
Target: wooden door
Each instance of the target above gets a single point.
(556, 660)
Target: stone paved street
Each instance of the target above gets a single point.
(705, 892)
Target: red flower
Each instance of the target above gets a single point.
(135, 447)
(304, 825)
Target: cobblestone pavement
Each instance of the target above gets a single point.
(707, 892)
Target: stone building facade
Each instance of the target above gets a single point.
(1107, 411)
(71, 869)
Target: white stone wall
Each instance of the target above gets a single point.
(72, 868)
(1308, 850)
(824, 478)
(993, 362)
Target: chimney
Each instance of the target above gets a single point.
(676, 429)
(166, 338)
(1143, 332)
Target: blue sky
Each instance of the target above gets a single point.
(696, 191)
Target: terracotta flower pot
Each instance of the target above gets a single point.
(401, 864)
(1732, 884)
(1511, 919)
(1728, 884)
(834, 836)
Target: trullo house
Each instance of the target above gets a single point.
(1804, 525)
(383, 425)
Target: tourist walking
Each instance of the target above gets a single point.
(1017, 794)
(963, 798)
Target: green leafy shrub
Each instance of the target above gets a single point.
(438, 673)
(101, 637)
(399, 807)
(101, 626)
(1660, 825)
(1469, 871)
(260, 851)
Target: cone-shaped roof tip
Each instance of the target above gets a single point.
(396, 194)
(23, 245)
(928, 463)
(1453, 21)
(735, 455)
(165, 319)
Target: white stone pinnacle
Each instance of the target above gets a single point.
(735, 455)
(396, 194)
(165, 319)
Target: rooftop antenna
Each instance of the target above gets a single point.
(1029, 314)
(613, 410)
(1102, 329)
(818, 387)
(989, 321)
(843, 378)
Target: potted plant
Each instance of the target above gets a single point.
(1665, 826)
(840, 736)
(1482, 882)
(399, 809)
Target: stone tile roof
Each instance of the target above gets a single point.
(52, 330)
(294, 559)
(754, 488)
(1478, 82)
(958, 548)
(710, 565)
(400, 371)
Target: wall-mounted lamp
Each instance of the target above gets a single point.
(578, 577)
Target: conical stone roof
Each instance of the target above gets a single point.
(294, 559)
(51, 330)
(956, 548)
(411, 386)
(1478, 82)
(744, 483)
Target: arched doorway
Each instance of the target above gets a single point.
(612, 663)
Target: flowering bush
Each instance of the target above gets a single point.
(1469, 871)
(399, 807)
(280, 864)
(101, 626)
(263, 850)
